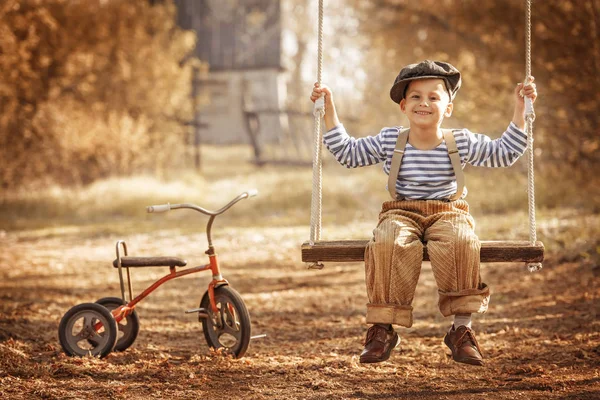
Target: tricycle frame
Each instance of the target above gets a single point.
(218, 280)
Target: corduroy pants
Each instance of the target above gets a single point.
(394, 255)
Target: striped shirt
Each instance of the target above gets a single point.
(426, 174)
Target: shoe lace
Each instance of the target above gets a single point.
(371, 334)
(468, 336)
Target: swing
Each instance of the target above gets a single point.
(315, 251)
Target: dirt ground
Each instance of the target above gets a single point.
(540, 338)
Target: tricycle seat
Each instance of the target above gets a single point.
(128, 261)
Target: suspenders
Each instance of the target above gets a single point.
(396, 161)
(452, 152)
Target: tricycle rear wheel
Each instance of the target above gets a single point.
(129, 326)
(78, 335)
(229, 327)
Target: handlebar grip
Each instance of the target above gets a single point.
(159, 208)
(252, 192)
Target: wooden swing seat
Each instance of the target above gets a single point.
(354, 250)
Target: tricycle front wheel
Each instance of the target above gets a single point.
(229, 327)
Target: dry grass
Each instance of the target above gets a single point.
(284, 195)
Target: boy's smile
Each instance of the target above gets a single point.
(426, 103)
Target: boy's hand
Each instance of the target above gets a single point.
(321, 90)
(523, 91)
(331, 118)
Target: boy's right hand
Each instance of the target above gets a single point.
(321, 90)
(331, 119)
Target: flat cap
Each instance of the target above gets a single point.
(426, 70)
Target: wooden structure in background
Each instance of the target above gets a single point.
(246, 86)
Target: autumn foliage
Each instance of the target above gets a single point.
(90, 89)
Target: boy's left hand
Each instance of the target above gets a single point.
(523, 91)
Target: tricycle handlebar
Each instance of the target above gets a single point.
(213, 214)
(167, 207)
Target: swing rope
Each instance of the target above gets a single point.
(319, 113)
(529, 118)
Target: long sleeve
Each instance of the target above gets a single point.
(485, 152)
(352, 152)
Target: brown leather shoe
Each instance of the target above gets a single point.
(379, 344)
(464, 346)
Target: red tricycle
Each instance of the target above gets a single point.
(112, 323)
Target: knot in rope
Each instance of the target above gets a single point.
(319, 108)
(533, 267)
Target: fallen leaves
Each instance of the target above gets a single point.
(315, 325)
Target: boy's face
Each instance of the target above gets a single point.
(426, 103)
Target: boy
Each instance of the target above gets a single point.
(425, 181)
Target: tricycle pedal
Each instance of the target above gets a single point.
(202, 313)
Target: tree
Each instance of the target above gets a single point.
(90, 89)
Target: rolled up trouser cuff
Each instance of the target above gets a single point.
(466, 301)
(389, 314)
